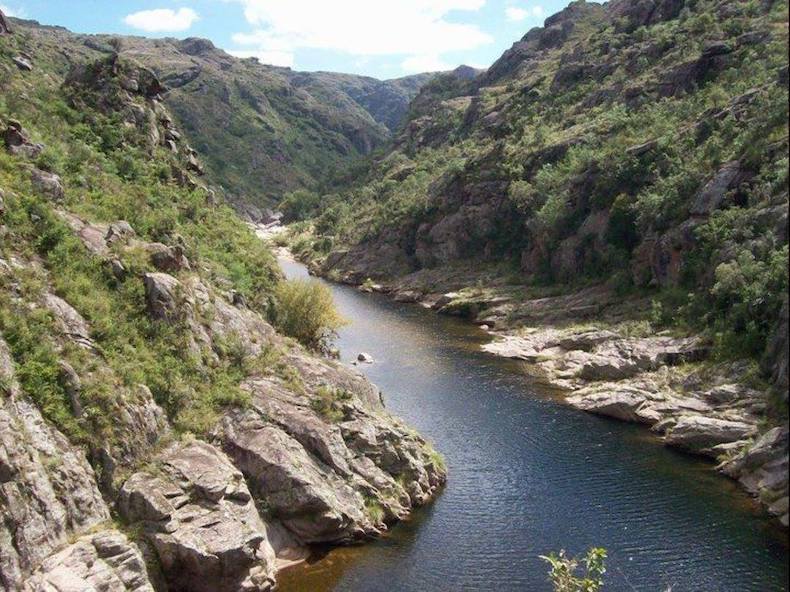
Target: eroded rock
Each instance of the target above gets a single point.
(198, 514)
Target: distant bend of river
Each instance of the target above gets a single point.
(527, 476)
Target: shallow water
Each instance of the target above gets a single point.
(529, 475)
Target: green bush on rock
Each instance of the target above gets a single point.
(305, 311)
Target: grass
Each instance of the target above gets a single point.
(328, 403)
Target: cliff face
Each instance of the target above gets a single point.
(621, 170)
(156, 432)
(262, 130)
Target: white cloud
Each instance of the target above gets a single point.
(424, 63)
(517, 14)
(418, 30)
(162, 19)
(9, 11)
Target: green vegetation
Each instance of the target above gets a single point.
(627, 154)
(328, 402)
(305, 311)
(563, 571)
(111, 171)
(374, 510)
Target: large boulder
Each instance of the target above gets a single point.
(198, 515)
(17, 141)
(164, 296)
(698, 433)
(47, 184)
(101, 561)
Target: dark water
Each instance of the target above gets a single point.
(528, 476)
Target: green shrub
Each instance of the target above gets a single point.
(327, 402)
(299, 205)
(305, 310)
(563, 571)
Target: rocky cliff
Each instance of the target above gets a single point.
(156, 431)
(610, 197)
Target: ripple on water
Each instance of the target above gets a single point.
(528, 476)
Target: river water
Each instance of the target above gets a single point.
(528, 475)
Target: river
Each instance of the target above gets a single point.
(528, 475)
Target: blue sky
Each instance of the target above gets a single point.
(372, 37)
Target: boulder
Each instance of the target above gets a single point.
(22, 63)
(47, 184)
(163, 295)
(101, 561)
(365, 358)
(713, 195)
(119, 231)
(314, 504)
(70, 322)
(168, 259)
(621, 402)
(698, 432)
(18, 143)
(199, 516)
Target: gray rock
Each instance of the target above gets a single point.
(365, 358)
(101, 561)
(48, 490)
(697, 432)
(71, 323)
(47, 184)
(119, 231)
(163, 295)
(22, 63)
(198, 515)
(168, 259)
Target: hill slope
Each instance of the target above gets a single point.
(262, 130)
(611, 196)
(156, 430)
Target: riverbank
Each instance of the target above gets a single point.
(531, 475)
(599, 352)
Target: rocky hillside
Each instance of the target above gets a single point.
(156, 431)
(611, 197)
(262, 130)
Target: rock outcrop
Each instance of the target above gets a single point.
(197, 513)
(5, 29)
(48, 495)
(102, 561)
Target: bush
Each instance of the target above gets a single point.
(306, 311)
(563, 571)
(299, 205)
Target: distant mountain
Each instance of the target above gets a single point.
(262, 131)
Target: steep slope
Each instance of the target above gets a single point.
(156, 431)
(611, 196)
(263, 131)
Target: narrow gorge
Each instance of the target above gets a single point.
(308, 331)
